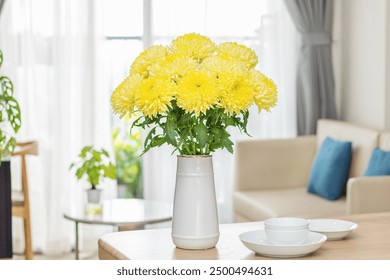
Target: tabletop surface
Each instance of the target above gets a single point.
(369, 241)
(125, 212)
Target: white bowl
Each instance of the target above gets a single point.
(286, 237)
(286, 223)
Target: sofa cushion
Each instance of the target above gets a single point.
(379, 164)
(329, 173)
(293, 202)
(384, 141)
(364, 141)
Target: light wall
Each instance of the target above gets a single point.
(361, 51)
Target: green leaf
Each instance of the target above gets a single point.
(84, 151)
(94, 175)
(149, 137)
(157, 141)
(216, 133)
(137, 123)
(148, 140)
(10, 146)
(9, 103)
(226, 143)
(79, 173)
(109, 171)
(201, 134)
(10, 107)
(171, 133)
(104, 152)
(6, 86)
(184, 120)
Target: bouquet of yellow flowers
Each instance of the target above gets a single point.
(190, 92)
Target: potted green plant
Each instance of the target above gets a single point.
(127, 147)
(95, 165)
(10, 121)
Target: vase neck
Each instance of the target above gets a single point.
(194, 164)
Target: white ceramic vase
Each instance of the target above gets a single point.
(195, 217)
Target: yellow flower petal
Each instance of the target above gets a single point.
(154, 96)
(218, 66)
(147, 59)
(265, 90)
(174, 66)
(122, 99)
(193, 45)
(238, 53)
(236, 92)
(197, 92)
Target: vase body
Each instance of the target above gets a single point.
(195, 217)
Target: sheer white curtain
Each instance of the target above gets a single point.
(275, 41)
(52, 55)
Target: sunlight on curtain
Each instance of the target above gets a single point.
(262, 25)
(50, 50)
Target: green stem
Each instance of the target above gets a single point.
(207, 148)
(216, 119)
(184, 144)
(192, 140)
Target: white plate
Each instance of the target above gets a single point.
(257, 242)
(333, 229)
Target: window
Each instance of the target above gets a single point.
(130, 26)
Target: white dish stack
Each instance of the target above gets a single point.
(286, 231)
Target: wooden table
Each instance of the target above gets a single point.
(371, 240)
(124, 213)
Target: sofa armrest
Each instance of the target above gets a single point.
(368, 194)
(281, 163)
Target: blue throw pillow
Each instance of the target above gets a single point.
(379, 164)
(330, 170)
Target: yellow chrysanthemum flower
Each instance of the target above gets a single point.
(265, 91)
(147, 59)
(122, 99)
(154, 95)
(197, 92)
(236, 92)
(239, 53)
(174, 66)
(216, 65)
(193, 45)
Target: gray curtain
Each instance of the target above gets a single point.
(315, 83)
(1, 5)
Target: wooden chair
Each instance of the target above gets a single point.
(20, 200)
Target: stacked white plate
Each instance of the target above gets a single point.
(320, 231)
(333, 229)
(257, 242)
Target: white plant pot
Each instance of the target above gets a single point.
(93, 196)
(93, 205)
(195, 216)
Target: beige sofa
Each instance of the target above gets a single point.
(272, 175)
